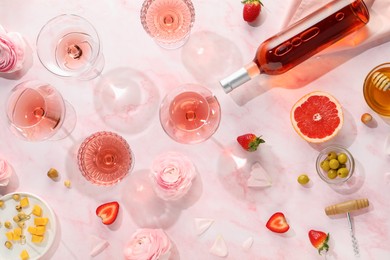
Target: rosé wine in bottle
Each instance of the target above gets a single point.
(190, 114)
(35, 110)
(169, 22)
(302, 40)
(105, 158)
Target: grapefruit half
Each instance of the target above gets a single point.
(317, 117)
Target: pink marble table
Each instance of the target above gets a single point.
(220, 43)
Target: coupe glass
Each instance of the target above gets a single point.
(169, 22)
(69, 46)
(190, 114)
(36, 111)
(105, 158)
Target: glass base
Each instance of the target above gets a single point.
(126, 100)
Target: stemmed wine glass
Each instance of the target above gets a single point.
(169, 22)
(190, 114)
(69, 46)
(105, 158)
(36, 111)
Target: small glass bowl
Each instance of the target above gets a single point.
(350, 164)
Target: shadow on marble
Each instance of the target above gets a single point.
(354, 183)
(235, 168)
(150, 211)
(210, 57)
(126, 100)
(145, 208)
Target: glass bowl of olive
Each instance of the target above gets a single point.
(335, 164)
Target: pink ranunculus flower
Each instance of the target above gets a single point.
(5, 172)
(172, 175)
(12, 51)
(148, 244)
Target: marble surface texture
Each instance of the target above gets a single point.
(220, 43)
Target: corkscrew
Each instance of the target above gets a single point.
(347, 207)
(381, 81)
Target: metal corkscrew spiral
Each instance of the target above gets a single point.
(347, 207)
(355, 245)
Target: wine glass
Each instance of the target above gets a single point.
(190, 114)
(169, 22)
(36, 111)
(69, 46)
(105, 158)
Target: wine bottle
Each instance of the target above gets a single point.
(302, 40)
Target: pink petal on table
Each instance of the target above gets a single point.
(97, 245)
(202, 224)
(247, 243)
(219, 247)
(258, 177)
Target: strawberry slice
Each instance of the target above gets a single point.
(108, 212)
(249, 142)
(277, 223)
(319, 240)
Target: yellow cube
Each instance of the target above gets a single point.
(32, 230)
(37, 211)
(24, 255)
(41, 221)
(36, 239)
(17, 233)
(40, 230)
(10, 235)
(24, 202)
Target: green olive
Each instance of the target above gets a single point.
(332, 174)
(325, 165)
(331, 155)
(342, 158)
(334, 164)
(303, 179)
(343, 172)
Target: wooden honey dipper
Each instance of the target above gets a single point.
(381, 81)
(346, 207)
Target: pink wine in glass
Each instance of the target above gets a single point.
(35, 110)
(74, 51)
(169, 22)
(105, 158)
(190, 114)
(302, 40)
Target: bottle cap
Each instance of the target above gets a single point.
(234, 80)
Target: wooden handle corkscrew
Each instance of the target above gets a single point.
(346, 206)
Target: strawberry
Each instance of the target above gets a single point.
(277, 223)
(251, 10)
(108, 212)
(319, 240)
(249, 142)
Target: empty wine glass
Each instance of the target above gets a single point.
(36, 111)
(69, 46)
(169, 22)
(105, 158)
(190, 114)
